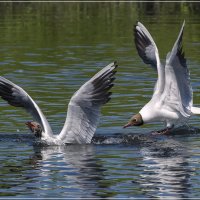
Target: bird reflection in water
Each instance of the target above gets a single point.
(74, 164)
(166, 170)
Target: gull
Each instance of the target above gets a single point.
(83, 109)
(172, 101)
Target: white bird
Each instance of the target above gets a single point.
(83, 108)
(172, 101)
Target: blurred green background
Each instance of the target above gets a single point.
(51, 49)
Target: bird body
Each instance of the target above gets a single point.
(172, 99)
(83, 111)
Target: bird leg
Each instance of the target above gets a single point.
(165, 131)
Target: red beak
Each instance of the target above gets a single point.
(29, 124)
(127, 125)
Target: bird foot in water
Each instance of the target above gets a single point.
(165, 131)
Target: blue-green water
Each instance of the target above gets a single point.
(51, 49)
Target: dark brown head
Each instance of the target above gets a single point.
(136, 120)
(35, 128)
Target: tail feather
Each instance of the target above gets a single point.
(195, 110)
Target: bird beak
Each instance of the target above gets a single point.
(136, 120)
(128, 124)
(28, 124)
(131, 122)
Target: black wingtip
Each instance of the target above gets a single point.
(180, 53)
(115, 64)
(108, 99)
(112, 79)
(115, 69)
(135, 30)
(103, 84)
(136, 24)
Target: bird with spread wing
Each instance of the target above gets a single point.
(172, 99)
(83, 109)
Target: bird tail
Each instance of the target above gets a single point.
(195, 110)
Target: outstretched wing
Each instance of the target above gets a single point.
(17, 97)
(84, 107)
(145, 45)
(178, 91)
(148, 51)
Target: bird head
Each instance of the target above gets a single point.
(35, 128)
(136, 120)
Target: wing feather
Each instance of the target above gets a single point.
(178, 90)
(17, 97)
(148, 51)
(84, 107)
(145, 45)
